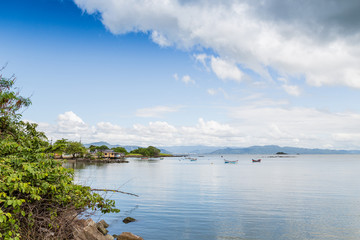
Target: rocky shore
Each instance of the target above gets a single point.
(87, 229)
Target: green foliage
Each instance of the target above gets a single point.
(99, 154)
(148, 152)
(36, 192)
(102, 147)
(92, 148)
(75, 148)
(120, 150)
(69, 147)
(60, 146)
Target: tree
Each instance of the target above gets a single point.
(92, 148)
(37, 194)
(120, 150)
(148, 152)
(75, 148)
(60, 146)
(102, 147)
(153, 151)
(99, 154)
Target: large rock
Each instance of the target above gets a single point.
(87, 229)
(102, 228)
(129, 220)
(128, 236)
(105, 224)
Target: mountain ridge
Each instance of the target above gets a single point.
(266, 149)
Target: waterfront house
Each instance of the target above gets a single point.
(112, 154)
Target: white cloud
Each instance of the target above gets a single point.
(176, 76)
(251, 125)
(214, 92)
(69, 122)
(187, 79)
(252, 34)
(157, 111)
(292, 89)
(225, 70)
(160, 39)
(202, 58)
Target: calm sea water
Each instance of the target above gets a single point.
(302, 197)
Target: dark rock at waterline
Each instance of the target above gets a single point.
(87, 229)
(128, 236)
(102, 228)
(105, 224)
(129, 220)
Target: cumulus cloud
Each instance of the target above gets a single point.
(185, 79)
(320, 42)
(68, 124)
(225, 70)
(160, 39)
(250, 125)
(157, 111)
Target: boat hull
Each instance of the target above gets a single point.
(228, 161)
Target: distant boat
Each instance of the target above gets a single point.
(228, 161)
(193, 159)
(144, 158)
(256, 160)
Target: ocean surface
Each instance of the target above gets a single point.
(298, 197)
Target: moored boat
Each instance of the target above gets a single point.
(256, 160)
(228, 161)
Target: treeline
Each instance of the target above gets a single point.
(146, 152)
(78, 150)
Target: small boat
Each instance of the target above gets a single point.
(256, 160)
(144, 158)
(193, 159)
(228, 161)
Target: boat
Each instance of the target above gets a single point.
(228, 161)
(193, 159)
(256, 160)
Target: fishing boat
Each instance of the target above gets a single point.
(256, 160)
(228, 161)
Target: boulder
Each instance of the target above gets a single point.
(105, 224)
(101, 228)
(128, 236)
(129, 220)
(87, 229)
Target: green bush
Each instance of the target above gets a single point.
(38, 197)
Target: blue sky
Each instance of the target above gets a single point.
(167, 73)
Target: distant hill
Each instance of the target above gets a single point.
(268, 149)
(191, 149)
(273, 149)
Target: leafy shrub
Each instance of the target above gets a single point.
(38, 197)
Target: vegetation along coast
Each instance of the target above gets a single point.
(38, 196)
